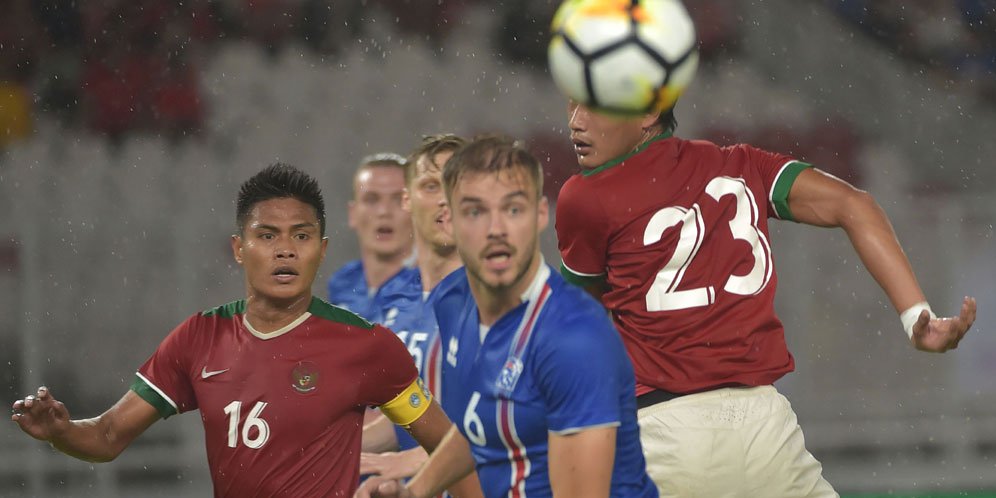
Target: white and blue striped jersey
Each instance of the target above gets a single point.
(554, 364)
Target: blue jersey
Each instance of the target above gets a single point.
(554, 364)
(348, 289)
(407, 310)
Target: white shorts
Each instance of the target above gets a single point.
(730, 442)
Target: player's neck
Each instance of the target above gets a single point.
(493, 304)
(268, 315)
(377, 268)
(434, 263)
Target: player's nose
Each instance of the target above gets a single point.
(578, 119)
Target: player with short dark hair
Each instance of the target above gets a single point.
(672, 235)
(532, 364)
(383, 231)
(281, 378)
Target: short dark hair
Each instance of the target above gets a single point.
(491, 154)
(430, 146)
(667, 121)
(279, 181)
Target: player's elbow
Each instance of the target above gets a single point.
(857, 208)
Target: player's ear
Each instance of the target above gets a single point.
(650, 119)
(543, 213)
(350, 214)
(325, 245)
(406, 200)
(237, 247)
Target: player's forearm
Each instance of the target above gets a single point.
(875, 242)
(468, 487)
(89, 439)
(450, 462)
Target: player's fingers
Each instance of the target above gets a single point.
(42, 393)
(389, 488)
(29, 401)
(968, 311)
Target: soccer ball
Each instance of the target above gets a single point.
(623, 56)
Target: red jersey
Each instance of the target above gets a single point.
(679, 231)
(282, 412)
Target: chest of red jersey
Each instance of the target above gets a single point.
(252, 390)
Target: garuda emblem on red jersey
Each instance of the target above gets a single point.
(304, 377)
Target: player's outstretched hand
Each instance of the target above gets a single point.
(40, 415)
(941, 334)
(382, 487)
(393, 465)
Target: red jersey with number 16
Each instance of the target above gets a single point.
(282, 411)
(679, 231)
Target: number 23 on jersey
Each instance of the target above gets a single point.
(664, 293)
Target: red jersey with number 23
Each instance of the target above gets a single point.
(283, 411)
(679, 232)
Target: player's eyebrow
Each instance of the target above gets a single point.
(273, 228)
(507, 197)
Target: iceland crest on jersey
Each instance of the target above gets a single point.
(509, 376)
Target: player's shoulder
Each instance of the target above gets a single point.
(350, 268)
(574, 326)
(347, 275)
(336, 315)
(404, 284)
(454, 284)
(570, 304)
(450, 295)
(227, 310)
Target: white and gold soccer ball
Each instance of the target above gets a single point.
(623, 56)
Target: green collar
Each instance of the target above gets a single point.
(620, 159)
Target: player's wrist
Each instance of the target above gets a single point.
(910, 316)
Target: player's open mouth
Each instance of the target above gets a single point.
(581, 147)
(284, 274)
(498, 259)
(383, 232)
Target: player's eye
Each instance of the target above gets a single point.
(267, 236)
(302, 236)
(431, 186)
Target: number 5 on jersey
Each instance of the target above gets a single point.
(664, 294)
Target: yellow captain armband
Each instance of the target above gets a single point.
(408, 406)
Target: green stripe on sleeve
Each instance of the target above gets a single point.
(149, 394)
(580, 280)
(783, 185)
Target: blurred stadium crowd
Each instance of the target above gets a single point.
(118, 67)
(954, 40)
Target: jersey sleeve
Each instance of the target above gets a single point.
(582, 233)
(164, 379)
(579, 375)
(778, 173)
(392, 380)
